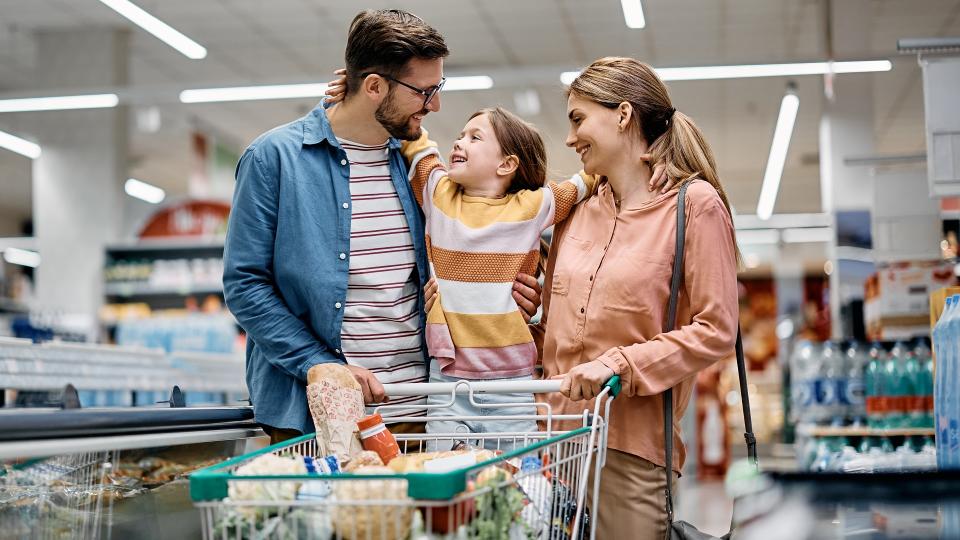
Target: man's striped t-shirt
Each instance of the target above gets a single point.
(381, 324)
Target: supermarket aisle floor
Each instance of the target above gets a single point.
(704, 505)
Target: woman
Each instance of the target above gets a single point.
(608, 282)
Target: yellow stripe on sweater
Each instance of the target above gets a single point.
(478, 212)
(498, 330)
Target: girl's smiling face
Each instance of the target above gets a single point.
(477, 163)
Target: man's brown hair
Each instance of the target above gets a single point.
(521, 139)
(384, 40)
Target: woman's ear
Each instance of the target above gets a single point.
(624, 115)
(508, 165)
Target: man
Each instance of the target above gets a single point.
(325, 258)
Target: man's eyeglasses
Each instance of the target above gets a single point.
(427, 93)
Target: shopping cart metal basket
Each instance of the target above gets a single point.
(536, 489)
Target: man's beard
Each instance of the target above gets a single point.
(397, 125)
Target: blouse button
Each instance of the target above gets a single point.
(346, 205)
(581, 310)
(343, 256)
(338, 305)
(343, 162)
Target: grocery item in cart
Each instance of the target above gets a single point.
(336, 404)
(267, 464)
(358, 516)
(375, 437)
(363, 459)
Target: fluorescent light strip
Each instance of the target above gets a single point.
(144, 191)
(807, 234)
(473, 82)
(633, 13)
(59, 103)
(292, 91)
(22, 257)
(778, 155)
(252, 93)
(703, 73)
(20, 146)
(159, 29)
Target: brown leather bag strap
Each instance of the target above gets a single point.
(668, 325)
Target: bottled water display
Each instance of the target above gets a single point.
(854, 384)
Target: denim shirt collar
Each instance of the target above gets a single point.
(316, 128)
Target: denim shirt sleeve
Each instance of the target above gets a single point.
(248, 278)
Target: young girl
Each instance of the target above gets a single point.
(484, 216)
(485, 213)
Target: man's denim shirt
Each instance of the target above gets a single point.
(287, 258)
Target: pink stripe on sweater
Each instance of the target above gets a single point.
(479, 362)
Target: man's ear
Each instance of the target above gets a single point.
(375, 87)
(508, 165)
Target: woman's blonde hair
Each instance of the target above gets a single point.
(673, 138)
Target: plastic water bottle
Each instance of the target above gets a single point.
(802, 382)
(926, 380)
(915, 371)
(873, 387)
(895, 387)
(940, 347)
(830, 381)
(853, 395)
(951, 404)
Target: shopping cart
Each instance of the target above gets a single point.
(504, 497)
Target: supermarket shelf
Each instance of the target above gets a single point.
(56, 447)
(128, 290)
(163, 244)
(829, 431)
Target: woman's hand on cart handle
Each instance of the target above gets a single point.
(585, 381)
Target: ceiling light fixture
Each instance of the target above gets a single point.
(22, 257)
(59, 103)
(144, 191)
(310, 90)
(703, 73)
(20, 146)
(633, 13)
(778, 153)
(159, 29)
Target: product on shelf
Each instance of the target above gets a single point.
(872, 454)
(830, 386)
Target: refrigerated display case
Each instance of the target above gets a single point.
(112, 473)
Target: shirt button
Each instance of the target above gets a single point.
(591, 278)
(346, 205)
(343, 162)
(336, 351)
(338, 305)
(581, 310)
(343, 256)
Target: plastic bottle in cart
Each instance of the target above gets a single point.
(873, 387)
(853, 395)
(830, 379)
(895, 387)
(801, 382)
